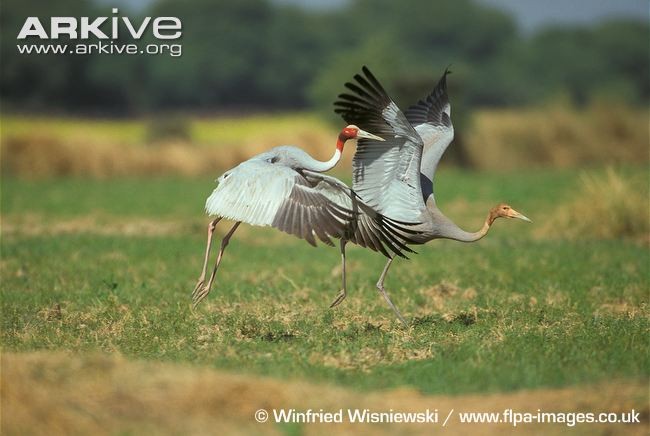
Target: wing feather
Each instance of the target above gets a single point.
(386, 175)
(431, 118)
(434, 109)
(252, 192)
(370, 228)
(260, 193)
(311, 206)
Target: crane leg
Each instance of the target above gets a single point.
(343, 292)
(205, 290)
(201, 281)
(380, 287)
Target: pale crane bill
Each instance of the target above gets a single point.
(368, 135)
(515, 214)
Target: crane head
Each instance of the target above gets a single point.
(503, 210)
(353, 132)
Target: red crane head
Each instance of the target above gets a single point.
(353, 132)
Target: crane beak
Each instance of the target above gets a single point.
(368, 135)
(515, 214)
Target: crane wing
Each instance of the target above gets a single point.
(260, 193)
(304, 204)
(431, 118)
(386, 175)
(369, 229)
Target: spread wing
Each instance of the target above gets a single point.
(261, 193)
(386, 175)
(304, 204)
(431, 118)
(369, 228)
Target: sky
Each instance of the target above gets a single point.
(533, 14)
(529, 14)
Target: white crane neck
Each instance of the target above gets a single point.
(322, 167)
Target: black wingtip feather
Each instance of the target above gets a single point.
(431, 109)
(442, 83)
(373, 80)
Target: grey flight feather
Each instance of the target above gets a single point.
(368, 228)
(386, 175)
(306, 213)
(434, 109)
(431, 118)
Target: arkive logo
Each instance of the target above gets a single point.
(103, 29)
(162, 27)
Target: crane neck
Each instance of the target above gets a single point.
(456, 233)
(322, 167)
(340, 141)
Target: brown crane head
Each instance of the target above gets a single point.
(503, 210)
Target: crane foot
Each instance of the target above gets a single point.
(392, 306)
(339, 298)
(198, 286)
(200, 292)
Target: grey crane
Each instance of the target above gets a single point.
(395, 176)
(283, 188)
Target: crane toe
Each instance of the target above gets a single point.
(198, 286)
(200, 292)
(339, 298)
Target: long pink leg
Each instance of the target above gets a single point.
(343, 292)
(382, 290)
(201, 281)
(205, 290)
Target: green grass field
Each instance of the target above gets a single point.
(109, 266)
(98, 265)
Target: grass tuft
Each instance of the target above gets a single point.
(605, 207)
(557, 136)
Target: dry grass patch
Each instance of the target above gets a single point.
(56, 393)
(558, 135)
(38, 148)
(37, 156)
(446, 298)
(272, 319)
(623, 309)
(35, 225)
(608, 207)
(32, 224)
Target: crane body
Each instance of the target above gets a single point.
(396, 176)
(284, 188)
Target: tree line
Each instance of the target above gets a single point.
(243, 55)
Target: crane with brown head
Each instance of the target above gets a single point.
(395, 176)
